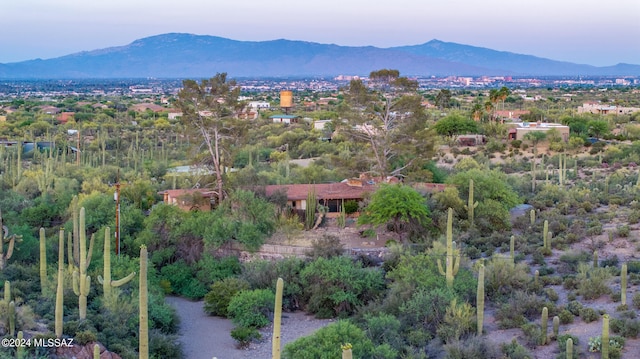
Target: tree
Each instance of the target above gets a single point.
(455, 124)
(388, 123)
(598, 128)
(443, 99)
(535, 137)
(398, 205)
(209, 108)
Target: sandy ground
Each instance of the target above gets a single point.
(206, 337)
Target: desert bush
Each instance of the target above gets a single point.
(251, 308)
(217, 300)
(245, 335)
(472, 348)
(532, 334)
(588, 315)
(502, 278)
(566, 317)
(592, 282)
(520, 307)
(574, 307)
(326, 247)
(514, 350)
(625, 327)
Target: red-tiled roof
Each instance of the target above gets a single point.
(341, 190)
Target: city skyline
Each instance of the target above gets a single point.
(581, 32)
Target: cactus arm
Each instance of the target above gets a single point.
(70, 253)
(76, 278)
(7, 292)
(125, 280)
(89, 254)
(440, 269)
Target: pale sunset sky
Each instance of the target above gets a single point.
(591, 32)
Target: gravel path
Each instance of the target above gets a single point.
(205, 337)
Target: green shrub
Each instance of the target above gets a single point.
(588, 315)
(566, 317)
(636, 300)
(85, 337)
(514, 350)
(244, 335)
(251, 308)
(626, 327)
(532, 334)
(473, 347)
(574, 307)
(350, 206)
(217, 300)
(592, 282)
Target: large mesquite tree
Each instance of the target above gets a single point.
(389, 122)
(209, 108)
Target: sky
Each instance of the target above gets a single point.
(593, 32)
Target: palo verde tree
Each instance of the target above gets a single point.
(388, 121)
(209, 108)
(400, 206)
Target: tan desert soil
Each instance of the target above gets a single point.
(206, 337)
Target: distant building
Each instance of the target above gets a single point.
(286, 119)
(604, 109)
(198, 199)
(518, 130)
(142, 107)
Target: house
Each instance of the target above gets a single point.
(601, 109)
(198, 199)
(333, 195)
(142, 107)
(510, 114)
(518, 130)
(65, 117)
(286, 119)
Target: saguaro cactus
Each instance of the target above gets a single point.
(605, 337)
(623, 284)
(310, 209)
(20, 348)
(546, 240)
(7, 292)
(532, 216)
(11, 242)
(277, 317)
(569, 348)
(81, 281)
(143, 348)
(96, 351)
(480, 299)
(595, 259)
(107, 283)
(471, 205)
(544, 325)
(43, 261)
(556, 326)
(59, 311)
(12, 318)
(453, 256)
(346, 351)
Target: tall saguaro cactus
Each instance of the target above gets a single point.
(453, 256)
(480, 300)
(471, 205)
(11, 242)
(546, 236)
(346, 351)
(143, 348)
(623, 284)
(310, 209)
(569, 348)
(544, 325)
(81, 281)
(277, 317)
(605, 337)
(107, 283)
(43, 261)
(59, 311)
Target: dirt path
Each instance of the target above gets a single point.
(205, 337)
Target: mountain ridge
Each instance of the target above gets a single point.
(180, 55)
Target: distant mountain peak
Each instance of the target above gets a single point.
(182, 55)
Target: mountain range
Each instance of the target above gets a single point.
(178, 55)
